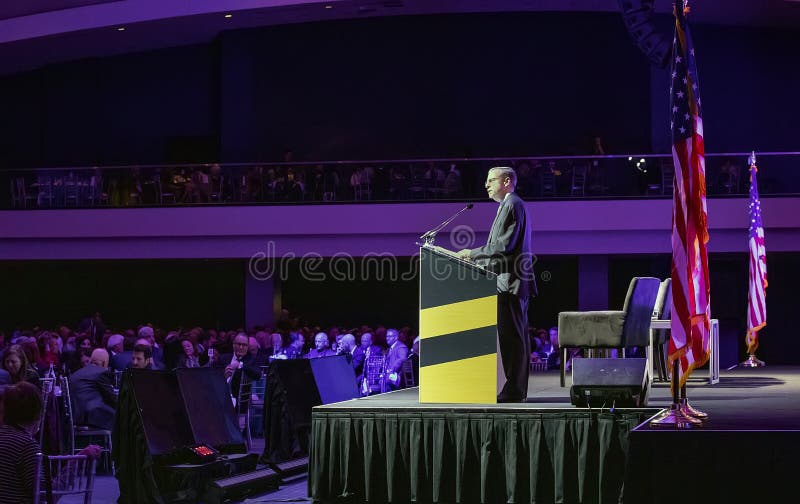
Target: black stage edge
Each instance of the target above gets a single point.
(390, 448)
(746, 452)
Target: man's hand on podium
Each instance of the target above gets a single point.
(464, 254)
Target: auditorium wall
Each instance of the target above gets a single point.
(395, 87)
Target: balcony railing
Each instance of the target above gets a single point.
(462, 179)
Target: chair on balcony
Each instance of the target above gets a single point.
(578, 183)
(548, 180)
(626, 328)
(19, 193)
(667, 176)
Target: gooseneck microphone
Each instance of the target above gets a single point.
(430, 235)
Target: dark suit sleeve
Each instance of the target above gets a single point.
(105, 384)
(251, 369)
(508, 237)
(402, 354)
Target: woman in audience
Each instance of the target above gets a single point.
(31, 351)
(21, 412)
(49, 352)
(16, 363)
(189, 358)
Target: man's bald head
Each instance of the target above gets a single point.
(99, 357)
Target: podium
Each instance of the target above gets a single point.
(459, 351)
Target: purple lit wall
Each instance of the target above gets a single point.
(560, 227)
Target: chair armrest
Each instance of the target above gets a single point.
(591, 329)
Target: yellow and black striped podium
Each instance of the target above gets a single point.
(458, 330)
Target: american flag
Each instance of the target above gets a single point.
(690, 327)
(757, 302)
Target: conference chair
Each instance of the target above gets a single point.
(243, 402)
(68, 475)
(663, 311)
(85, 431)
(612, 329)
(37, 479)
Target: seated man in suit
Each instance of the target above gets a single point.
(398, 352)
(322, 347)
(142, 357)
(242, 362)
(92, 391)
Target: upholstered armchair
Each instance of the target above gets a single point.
(626, 328)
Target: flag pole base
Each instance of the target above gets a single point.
(753, 362)
(691, 411)
(675, 418)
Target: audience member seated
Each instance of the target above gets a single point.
(348, 347)
(22, 408)
(278, 349)
(189, 358)
(296, 344)
(241, 362)
(397, 353)
(16, 363)
(148, 334)
(74, 359)
(321, 347)
(49, 350)
(413, 354)
(142, 357)
(92, 390)
(554, 358)
(30, 349)
(361, 352)
(121, 350)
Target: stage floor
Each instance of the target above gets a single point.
(744, 399)
(752, 431)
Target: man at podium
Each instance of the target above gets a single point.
(508, 253)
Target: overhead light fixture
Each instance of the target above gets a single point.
(329, 6)
(228, 16)
(121, 28)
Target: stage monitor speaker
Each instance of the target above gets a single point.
(209, 408)
(184, 408)
(609, 383)
(162, 409)
(241, 486)
(311, 382)
(335, 379)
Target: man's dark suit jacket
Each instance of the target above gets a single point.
(395, 356)
(250, 368)
(508, 250)
(359, 356)
(121, 361)
(93, 399)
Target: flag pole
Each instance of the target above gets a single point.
(752, 330)
(676, 417)
(688, 342)
(752, 361)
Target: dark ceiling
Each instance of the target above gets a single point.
(28, 54)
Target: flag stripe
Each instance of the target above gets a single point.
(691, 321)
(757, 281)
